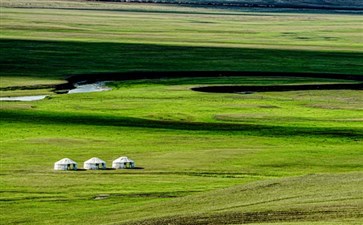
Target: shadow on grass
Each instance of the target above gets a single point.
(61, 59)
(83, 170)
(137, 168)
(277, 88)
(116, 121)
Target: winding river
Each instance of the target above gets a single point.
(79, 88)
(97, 82)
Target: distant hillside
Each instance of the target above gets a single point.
(319, 4)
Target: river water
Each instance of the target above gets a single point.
(85, 88)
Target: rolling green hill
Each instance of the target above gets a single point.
(200, 155)
(309, 199)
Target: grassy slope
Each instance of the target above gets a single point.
(177, 136)
(187, 142)
(279, 200)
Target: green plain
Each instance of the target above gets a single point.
(265, 158)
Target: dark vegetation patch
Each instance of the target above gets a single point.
(277, 88)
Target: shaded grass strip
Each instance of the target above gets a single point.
(215, 128)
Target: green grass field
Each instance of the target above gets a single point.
(44, 41)
(265, 158)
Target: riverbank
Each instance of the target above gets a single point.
(96, 82)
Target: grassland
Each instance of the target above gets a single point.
(65, 37)
(266, 158)
(186, 143)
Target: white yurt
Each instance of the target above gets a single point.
(94, 164)
(123, 163)
(65, 164)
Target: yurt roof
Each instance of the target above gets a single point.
(65, 161)
(95, 160)
(123, 159)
